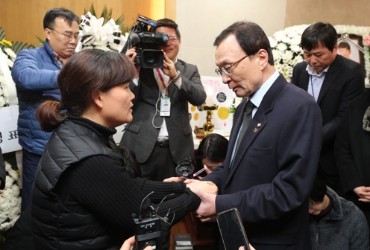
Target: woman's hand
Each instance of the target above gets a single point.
(130, 243)
(174, 179)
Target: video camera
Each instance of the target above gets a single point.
(147, 43)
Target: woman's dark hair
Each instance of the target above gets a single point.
(319, 34)
(52, 14)
(81, 78)
(250, 37)
(213, 147)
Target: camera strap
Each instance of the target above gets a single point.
(161, 81)
(165, 106)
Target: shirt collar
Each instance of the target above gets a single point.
(257, 97)
(57, 59)
(312, 72)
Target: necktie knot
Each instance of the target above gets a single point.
(249, 107)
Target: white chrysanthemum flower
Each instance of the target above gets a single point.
(10, 200)
(296, 48)
(95, 34)
(10, 53)
(7, 61)
(282, 47)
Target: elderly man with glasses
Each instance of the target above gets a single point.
(274, 145)
(35, 74)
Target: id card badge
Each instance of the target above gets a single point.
(165, 106)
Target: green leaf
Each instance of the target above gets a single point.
(18, 46)
(106, 14)
(2, 33)
(15, 46)
(41, 40)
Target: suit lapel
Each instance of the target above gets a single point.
(305, 80)
(257, 124)
(330, 77)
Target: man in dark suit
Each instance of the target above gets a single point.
(333, 81)
(160, 137)
(268, 178)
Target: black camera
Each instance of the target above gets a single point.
(148, 232)
(147, 43)
(185, 168)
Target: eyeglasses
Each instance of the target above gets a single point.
(67, 36)
(172, 38)
(227, 70)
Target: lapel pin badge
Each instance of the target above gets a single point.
(258, 126)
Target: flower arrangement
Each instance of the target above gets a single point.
(7, 57)
(8, 53)
(10, 200)
(95, 34)
(287, 52)
(103, 33)
(366, 42)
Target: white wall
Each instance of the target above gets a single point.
(200, 21)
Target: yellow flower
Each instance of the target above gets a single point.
(6, 43)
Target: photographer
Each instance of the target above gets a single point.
(160, 134)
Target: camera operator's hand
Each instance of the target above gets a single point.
(169, 67)
(131, 53)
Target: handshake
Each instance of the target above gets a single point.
(206, 191)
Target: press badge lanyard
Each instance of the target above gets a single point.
(165, 105)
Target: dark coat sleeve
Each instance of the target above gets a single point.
(352, 145)
(2, 171)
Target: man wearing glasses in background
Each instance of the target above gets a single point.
(35, 73)
(270, 165)
(158, 139)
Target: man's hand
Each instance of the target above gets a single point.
(363, 193)
(206, 191)
(131, 53)
(169, 67)
(207, 207)
(197, 186)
